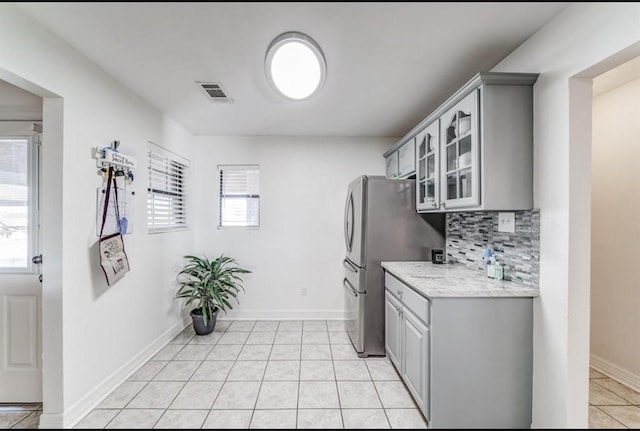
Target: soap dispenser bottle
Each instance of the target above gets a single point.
(489, 259)
(498, 271)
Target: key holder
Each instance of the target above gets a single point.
(107, 157)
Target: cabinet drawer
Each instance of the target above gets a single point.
(415, 302)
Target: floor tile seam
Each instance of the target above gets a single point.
(255, 403)
(235, 361)
(616, 393)
(132, 398)
(375, 388)
(29, 413)
(607, 414)
(333, 366)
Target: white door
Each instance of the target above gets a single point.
(20, 289)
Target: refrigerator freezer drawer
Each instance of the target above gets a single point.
(355, 312)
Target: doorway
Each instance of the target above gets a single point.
(20, 282)
(614, 377)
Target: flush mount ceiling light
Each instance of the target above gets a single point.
(295, 65)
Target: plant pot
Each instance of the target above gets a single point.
(198, 322)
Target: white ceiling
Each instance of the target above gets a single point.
(388, 64)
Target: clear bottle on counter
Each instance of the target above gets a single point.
(498, 271)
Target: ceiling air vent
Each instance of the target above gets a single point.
(214, 92)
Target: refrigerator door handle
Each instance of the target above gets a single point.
(349, 288)
(350, 266)
(348, 222)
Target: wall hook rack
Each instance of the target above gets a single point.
(107, 157)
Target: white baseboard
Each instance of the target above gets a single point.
(615, 372)
(51, 421)
(82, 407)
(283, 315)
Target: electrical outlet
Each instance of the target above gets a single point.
(303, 291)
(507, 222)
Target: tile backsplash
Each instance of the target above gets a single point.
(469, 233)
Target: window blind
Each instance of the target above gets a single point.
(239, 195)
(166, 194)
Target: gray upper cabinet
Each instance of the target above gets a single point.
(392, 165)
(475, 151)
(460, 162)
(407, 158)
(428, 174)
(401, 159)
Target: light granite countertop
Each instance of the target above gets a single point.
(453, 280)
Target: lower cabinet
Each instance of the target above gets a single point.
(407, 345)
(415, 358)
(467, 361)
(392, 326)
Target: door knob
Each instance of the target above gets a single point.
(37, 259)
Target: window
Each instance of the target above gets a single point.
(18, 161)
(239, 195)
(166, 195)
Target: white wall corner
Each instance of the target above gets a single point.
(82, 407)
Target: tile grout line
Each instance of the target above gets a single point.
(335, 381)
(172, 400)
(220, 390)
(375, 388)
(184, 383)
(614, 392)
(607, 414)
(212, 346)
(255, 404)
(31, 413)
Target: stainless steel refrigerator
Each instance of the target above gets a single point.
(380, 224)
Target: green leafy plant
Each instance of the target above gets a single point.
(210, 284)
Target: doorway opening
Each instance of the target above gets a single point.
(20, 282)
(614, 374)
(43, 313)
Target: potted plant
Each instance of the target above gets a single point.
(210, 285)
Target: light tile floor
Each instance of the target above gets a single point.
(612, 404)
(20, 416)
(265, 374)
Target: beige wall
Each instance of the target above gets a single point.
(615, 233)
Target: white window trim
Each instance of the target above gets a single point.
(163, 152)
(33, 205)
(239, 167)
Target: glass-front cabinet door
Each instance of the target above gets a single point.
(460, 162)
(428, 175)
(392, 165)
